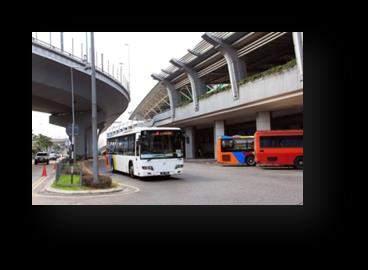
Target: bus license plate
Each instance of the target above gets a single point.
(165, 173)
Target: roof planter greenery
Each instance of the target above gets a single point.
(273, 70)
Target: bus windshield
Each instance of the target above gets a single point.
(235, 145)
(161, 144)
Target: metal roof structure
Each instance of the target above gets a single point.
(205, 59)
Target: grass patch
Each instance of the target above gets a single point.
(64, 183)
(66, 179)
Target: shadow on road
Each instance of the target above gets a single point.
(280, 168)
(149, 178)
(158, 178)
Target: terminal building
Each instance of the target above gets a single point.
(230, 83)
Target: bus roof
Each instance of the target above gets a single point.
(280, 132)
(225, 137)
(139, 129)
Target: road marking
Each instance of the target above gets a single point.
(39, 181)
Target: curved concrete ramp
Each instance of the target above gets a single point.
(51, 93)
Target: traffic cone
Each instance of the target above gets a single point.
(44, 171)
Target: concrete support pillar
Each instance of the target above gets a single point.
(298, 48)
(236, 67)
(197, 85)
(88, 142)
(80, 142)
(218, 131)
(171, 92)
(189, 142)
(263, 121)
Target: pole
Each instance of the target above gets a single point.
(73, 114)
(121, 72)
(72, 46)
(102, 62)
(62, 41)
(87, 47)
(128, 65)
(94, 112)
(50, 38)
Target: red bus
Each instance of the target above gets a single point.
(279, 148)
(235, 150)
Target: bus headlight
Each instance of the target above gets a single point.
(179, 166)
(147, 168)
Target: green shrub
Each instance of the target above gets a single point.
(273, 70)
(183, 103)
(104, 181)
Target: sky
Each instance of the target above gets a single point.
(149, 53)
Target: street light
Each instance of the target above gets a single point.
(94, 111)
(73, 115)
(87, 47)
(126, 44)
(121, 72)
(62, 41)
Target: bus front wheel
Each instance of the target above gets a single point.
(298, 163)
(251, 161)
(131, 170)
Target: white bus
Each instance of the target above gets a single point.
(145, 151)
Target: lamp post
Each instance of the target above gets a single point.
(126, 44)
(94, 111)
(62, 41)
(87, 47)
(121, 72)
(73, 115)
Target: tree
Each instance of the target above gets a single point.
(34, 146)
(56, 147)
(42, 142)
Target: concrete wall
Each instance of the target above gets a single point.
(218, 131)
(189, 142)
(261, 89)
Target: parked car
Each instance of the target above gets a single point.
(42, 157)
(53, 156)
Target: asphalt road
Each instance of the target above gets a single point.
(202, 184)
(37, 170)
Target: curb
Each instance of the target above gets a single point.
(83, 192)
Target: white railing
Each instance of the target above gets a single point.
(83, 60)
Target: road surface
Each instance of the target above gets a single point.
(202, 184)
(37, 169)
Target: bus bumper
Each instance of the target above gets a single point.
(153, 173)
